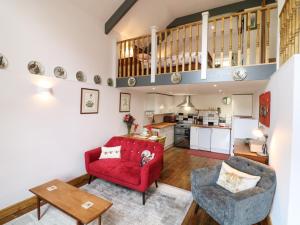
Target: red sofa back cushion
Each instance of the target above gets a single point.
(131, 149)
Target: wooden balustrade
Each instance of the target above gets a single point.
(234, 40)
(289, 30)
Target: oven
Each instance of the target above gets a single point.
(182, 135)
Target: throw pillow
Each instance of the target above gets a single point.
(234, 180)
(110, 152)
(146, 156)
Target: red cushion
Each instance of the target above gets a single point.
(128, 172)
(104, 166)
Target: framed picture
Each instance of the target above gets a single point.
(89, 103)
(264, 108)
(124, 105)
(253, 20)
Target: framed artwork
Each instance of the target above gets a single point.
(264, 108)
(89, 103)
(124, 105)
(253, 20)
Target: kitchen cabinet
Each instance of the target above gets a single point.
(159, 103)
(220, 140)
(242, 105)
(210, 139)
(168, 132)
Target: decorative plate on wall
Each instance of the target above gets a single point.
(131, 82)
(35, 67)
(176, 78)
(60, 72)
(3, 62)
(97, 79)
(80, 76)
(239, 75)
(110, 82)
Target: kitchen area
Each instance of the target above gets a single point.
(207, 122)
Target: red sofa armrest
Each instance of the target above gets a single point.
(91, 156)
(151, 171)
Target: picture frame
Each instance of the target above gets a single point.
(89, 103)
(265, 108)
(253, 21)
(124, 105)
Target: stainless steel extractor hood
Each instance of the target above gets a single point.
(186, 102)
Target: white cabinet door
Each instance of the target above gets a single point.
(194, 138)
(242, 105)
(220, 140)
(204, 136)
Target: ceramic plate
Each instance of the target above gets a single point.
(35, 67)
(110, 82)
(3, 62)
(176, 78)
(80, 76)
(131, 82)
(97, 79)
(60, 72)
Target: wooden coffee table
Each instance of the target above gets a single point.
(70, 200)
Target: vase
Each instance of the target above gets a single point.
(129, 128)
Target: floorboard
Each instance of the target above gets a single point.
(178, 165)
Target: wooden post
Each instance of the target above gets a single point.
(267, 35)
(239, 39)
(166, 44)
(214, 44)
(133, 59)
(171, 52)
(197, 46)
(177, 49)
(184, 40)
(222, 42)
(248, 52)
(258, 50)
(137, 55)
(190, 45)
(230, 41)
(159, 52)
(204, 48)
(153, 53)
(297, 32)
(143, 58)
(125, 60)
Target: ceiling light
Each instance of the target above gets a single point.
(215, 85)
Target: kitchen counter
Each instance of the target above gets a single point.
(161, 125)
(206, 126)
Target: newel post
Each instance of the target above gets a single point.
(153, 53)
(204, 44)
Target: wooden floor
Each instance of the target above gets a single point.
(178, 165)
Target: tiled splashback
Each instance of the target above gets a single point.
(206, 117)
(187, 118)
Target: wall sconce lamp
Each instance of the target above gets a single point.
(259, 134)
(44, 92)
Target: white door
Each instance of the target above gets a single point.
(204, 136)
(194, 138)
(220, 140)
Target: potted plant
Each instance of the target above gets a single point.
(128, 119)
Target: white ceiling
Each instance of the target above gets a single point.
(222, 88)
(146, 13)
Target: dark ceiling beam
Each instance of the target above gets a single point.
(118, 14)
(235, 7)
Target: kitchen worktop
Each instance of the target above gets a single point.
(206, 126)
(161, 125)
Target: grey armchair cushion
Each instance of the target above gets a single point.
(243, 208)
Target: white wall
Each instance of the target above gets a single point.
(45, 139)
(284, 141)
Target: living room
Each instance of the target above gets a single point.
(53, 51)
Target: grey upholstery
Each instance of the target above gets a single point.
(242, 208)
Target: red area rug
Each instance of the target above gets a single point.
(206, 154)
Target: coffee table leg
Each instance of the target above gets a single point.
(79, 223)
(38, 201)
(99, 221)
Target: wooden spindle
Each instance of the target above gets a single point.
(148, 55)
(171, 52)
(214, 44)
(133, 59)
(258, 50)
(159, 52)
(119, 59)
(239, 39)
(125, 60)
(222, 42)
(166, 44)
(177, 49)
(137, 56)
(129, 60)
(190, 45)
(197, 46)
(267, 35)
(230, 41)
(143, 58)
(248, 52)
(297, 30)
(184, 40)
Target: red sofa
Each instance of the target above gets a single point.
(127, 171)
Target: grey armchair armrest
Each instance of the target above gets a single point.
(205, 176)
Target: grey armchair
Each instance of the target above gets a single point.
(242, 208)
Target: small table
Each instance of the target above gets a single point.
(70, 199)
(243, 149)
